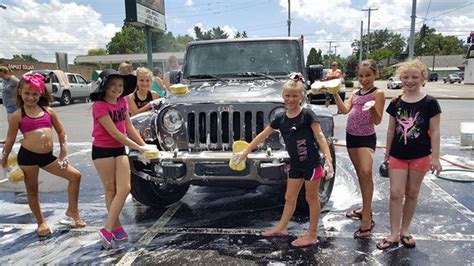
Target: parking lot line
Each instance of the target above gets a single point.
(141, 244)
(449, 199)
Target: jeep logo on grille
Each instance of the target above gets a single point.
(226, 108)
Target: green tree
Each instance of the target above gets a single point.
(129, 40)
(97, 51)
(240, 35)
(213, 34)
(24, 57)
(437, 44)
(392, 44)
(314, 57)
(351, 64)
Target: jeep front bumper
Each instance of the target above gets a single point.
(262, 168)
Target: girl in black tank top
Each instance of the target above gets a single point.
(140, 103)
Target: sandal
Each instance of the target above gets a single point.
(385, 244)
(354, 214)
(297, 244)
(406, 241)
(73, 223)
(357, 234)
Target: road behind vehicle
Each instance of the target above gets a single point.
(65, 87)
(235, 90)
(452, 78)
(394, 83)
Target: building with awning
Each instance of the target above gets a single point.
(160, 60)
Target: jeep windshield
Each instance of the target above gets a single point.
(243, 59)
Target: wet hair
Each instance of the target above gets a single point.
(156, 71)
(45, 98)
(412, 64)
(125, 68)
(102, 93)
(370, 64)
(294, 85)
(144, 71)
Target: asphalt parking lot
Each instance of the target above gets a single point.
(222, 225)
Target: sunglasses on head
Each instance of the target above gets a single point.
(297, 77)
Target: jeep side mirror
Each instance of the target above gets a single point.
(175, 76)
(315, 72)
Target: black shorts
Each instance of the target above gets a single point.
(361, 141)
(308, 175)
(100, 152)
(27, 157)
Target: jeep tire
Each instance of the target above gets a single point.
(65, 98)
(156, 195)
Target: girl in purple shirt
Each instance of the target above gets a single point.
(361, 139)
(111, 126)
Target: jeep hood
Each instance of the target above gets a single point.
(222, 92)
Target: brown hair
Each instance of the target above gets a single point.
(370, 64)
(44, 100)
(5, 69)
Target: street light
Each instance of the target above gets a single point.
(3, 6)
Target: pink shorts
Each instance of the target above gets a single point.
(420, 164)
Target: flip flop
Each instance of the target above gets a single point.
(357, 234)
(406, 241)
(72, 223)
(306, 245)
(381, 245)
(354, 214)
(273, 234)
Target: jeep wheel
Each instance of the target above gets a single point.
(156, 195)
(325, 187)
(65, 98)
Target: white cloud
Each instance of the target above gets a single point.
(341, 21)
(189, 2)
(41, 29)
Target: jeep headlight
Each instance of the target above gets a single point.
(276, 111)
(172, 120)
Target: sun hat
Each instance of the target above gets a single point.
(130, 83)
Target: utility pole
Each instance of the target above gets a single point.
(368, 28)
(361, 47)
(289, 19)
(335, 49)
(411, 45)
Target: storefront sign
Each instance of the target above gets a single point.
(20, 67)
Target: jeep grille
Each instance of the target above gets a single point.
(217, 126)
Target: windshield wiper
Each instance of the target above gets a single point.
(205, 76)
(256, 74)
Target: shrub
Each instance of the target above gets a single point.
(387, 72)
(349, 83)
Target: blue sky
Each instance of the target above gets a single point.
(41, 27)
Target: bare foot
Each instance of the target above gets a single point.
(77, 222)
(275, 233)
(305, 241)
(43, 230)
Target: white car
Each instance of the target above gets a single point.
(394, 83)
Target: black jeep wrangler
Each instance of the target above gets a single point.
(235, 90)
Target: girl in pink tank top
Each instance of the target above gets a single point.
(365, 108)
(36, 120)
